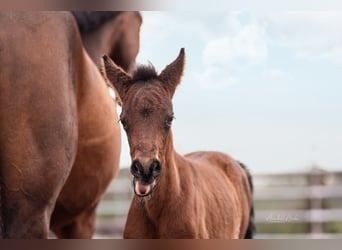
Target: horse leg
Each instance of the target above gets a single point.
(34, 167)
(97, 162)
(29, 192)
(38, 120)
(80, 227)
(36, 156)
(24, 218)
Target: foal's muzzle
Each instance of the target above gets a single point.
(145, 176)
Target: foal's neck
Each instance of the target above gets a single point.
(168, 186)
(171, 164)
(169, 180)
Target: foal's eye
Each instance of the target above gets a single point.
(168, 121)
(124, 123)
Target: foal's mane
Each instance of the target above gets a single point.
(89, 21)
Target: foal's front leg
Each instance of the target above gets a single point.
(183, 223)
(138, 225)
(174, 230)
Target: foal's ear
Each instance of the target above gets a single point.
(173, 72)
(118, 78)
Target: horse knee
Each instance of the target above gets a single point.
(80, 227)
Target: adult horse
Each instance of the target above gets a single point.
(199, 195)
(113, 33)
(59, 137)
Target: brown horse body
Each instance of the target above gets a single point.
(112, 33)
(203, 195)
(199, 195)
(59, 138)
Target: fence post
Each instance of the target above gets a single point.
(316, 178)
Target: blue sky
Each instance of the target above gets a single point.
(264, 87)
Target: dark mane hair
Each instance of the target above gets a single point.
(144, 73)
(88, 21)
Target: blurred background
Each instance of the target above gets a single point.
(266, 88)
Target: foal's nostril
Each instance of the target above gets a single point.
(156, 167)
(135, 168)
(138, 170)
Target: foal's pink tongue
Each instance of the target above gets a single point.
(142, 189)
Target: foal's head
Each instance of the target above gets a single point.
(146, 116)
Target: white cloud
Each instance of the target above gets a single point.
(310, 34)
(240, 44)
(214, 78)
(314, 35)
(273, 74)
(164, 33)
(334, 55)
(249, 45)
(218, 46)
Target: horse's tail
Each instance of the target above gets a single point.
(251, 224)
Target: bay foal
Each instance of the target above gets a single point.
(199, 195)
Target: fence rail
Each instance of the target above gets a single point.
(310, 202)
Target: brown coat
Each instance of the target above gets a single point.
(59, 138)
(200, 195)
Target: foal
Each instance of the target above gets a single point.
(199, 195)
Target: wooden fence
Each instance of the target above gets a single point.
(290, 205)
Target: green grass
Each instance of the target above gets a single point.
(281, 204)
(333, 227)
(282, 228)
(296, 228)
